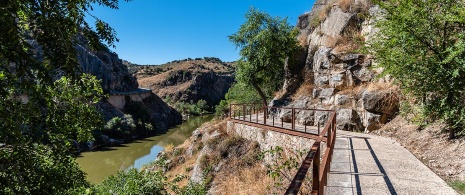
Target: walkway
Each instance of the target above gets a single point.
(366, 164)
(362, 163)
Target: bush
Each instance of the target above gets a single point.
(44, 171)
(132, 181)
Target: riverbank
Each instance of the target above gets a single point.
(107, 161)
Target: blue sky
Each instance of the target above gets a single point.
(159, 31)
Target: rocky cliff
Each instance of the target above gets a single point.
(107, 67)
(116, 79)
(329, 73)
(188, 80)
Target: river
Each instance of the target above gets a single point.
(107, 161)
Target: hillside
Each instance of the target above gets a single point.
(151, 115)
(188, 80)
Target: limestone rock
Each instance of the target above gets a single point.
(336, 21)
(348, 119)
(321, 117)
(316, 93)
(321, 59)
(363, 74)
(341, 99)
(306, 117)
(321, 79)
(338, 80)
(326, 93)
(380, 101)
(373, 121)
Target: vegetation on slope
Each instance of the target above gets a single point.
(422, 45)
(40, 112)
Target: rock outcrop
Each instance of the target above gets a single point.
(333, 74)
(107, 67)
(115, 78)
(189, 80)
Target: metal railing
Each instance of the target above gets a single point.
(259, 114)
(281, 117)
(320, 168)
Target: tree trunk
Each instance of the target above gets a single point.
(260, 92)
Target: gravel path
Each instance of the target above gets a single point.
(367, 164)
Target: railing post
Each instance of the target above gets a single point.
(257, 115)
(264, 114)
(293, 119)
(316, 171)
(328, 139)
(243, 109)
(250, 114)
(318, 127)
(273, 121)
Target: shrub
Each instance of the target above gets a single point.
(132, 181)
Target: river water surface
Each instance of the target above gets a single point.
(102, 163)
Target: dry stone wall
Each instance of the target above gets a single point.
(269, 139)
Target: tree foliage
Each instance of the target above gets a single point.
(421, 43)
(45, 100)
(265, 43)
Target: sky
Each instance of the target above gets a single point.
(160, 31)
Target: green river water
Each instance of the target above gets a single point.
(102, 163)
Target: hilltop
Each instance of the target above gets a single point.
(188, 80)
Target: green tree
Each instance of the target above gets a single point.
(421, 43)
(45, 100)
(202, 105)
(265, 43)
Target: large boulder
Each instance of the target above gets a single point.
(380, 101)
(374, 121)
(338, 80)
(321, 60)
(341, 99)
(305, 117)
(348, 119)
(321, 80)
(321, 117)
(363, 74)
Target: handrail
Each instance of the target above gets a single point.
(321, 168)
(244, 112)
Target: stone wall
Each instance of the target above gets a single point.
(119, 100)
(269, 139)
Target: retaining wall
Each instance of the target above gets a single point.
(269, 139)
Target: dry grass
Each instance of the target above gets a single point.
(305, 89)
(350, 41)
(345, 4)
(169, 147)
(323, 14)
(245, 181)
(362, 6)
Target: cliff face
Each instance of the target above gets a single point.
(189, 80)
(106, 65)
(329, 73)
(116, 79)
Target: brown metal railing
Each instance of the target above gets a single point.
(269, 116)
(320, 168)
(259, 114)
